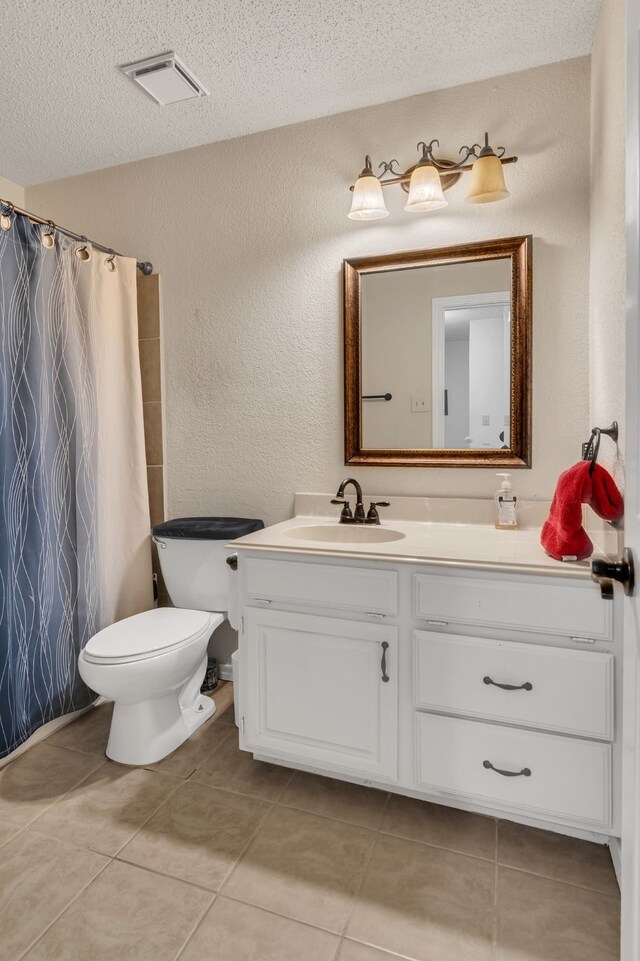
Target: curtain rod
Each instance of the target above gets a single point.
(143, 266)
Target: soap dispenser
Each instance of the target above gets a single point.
(506, 516)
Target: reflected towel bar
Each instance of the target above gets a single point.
(376, 396)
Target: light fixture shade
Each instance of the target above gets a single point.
(425, 190)
(368, 202)
(487, 181)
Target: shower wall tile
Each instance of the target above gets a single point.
(148, 306)
(151, 372)
(150, 369)
(156, 494)
(153, 432)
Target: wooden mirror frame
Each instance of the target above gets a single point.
(519, 250)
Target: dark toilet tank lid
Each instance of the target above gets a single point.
(208, 528)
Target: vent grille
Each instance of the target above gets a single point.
(166, 79)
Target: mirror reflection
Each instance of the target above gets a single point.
(436, 356)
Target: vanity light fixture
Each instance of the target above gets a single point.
(368, 202)
(429, 178)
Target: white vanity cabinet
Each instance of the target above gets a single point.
(322, 690)
(483, 689)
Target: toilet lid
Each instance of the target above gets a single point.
(150, 633)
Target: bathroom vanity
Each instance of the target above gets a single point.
(450, 662)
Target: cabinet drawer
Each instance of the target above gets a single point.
(540, 606)
(559, 689)
(568, 779)
(322, 585)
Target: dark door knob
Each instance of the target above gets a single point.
(621, 571)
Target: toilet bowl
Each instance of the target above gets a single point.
(151, 665)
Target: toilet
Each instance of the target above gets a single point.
(151, 665)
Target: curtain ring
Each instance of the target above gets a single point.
(110, 262)
(83, 253)
(5, 218)
(48, 237)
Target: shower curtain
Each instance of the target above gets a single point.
(74, 511)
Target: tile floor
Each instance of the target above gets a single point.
(210, 854)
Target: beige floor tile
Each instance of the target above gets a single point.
(543, 920)
(557, 856)
(238, 932)
(234, 770)
(303, 866)
(335, 799)
(7, 831)
(40, 776)
(443, 826)
(198, 835)
(426, 903)
(184, 761)
(106, 810)
(223, 697)
(38, 879)
(126, 915)
(354, 951)
(88, 734)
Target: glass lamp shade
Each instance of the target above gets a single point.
(368, 202)
(425, 190)
(487, 181)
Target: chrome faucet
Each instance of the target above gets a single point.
(346, 517)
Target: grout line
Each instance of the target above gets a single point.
(277, 914)
(171, 793)
(384, 811)
(567, 884)
(67, 906)
(69, 791)
(438, 847)
(383, 951)
(195, 928)
(495, 910)
(163, 874)
(365, 868)
(261, 823)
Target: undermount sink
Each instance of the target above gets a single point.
(344, 534)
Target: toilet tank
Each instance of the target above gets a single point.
(192, 553)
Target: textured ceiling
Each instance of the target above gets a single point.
(65, 108)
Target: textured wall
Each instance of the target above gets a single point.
(608, 251)
(249, 237)
(14, 193)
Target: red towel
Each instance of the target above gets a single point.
(563, 534)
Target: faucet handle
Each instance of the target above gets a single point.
(372, 515)
(345, 514)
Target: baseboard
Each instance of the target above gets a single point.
(615, 849)
(225, 671)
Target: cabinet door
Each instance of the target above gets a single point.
(321, 690)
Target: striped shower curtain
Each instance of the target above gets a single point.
(74, 512)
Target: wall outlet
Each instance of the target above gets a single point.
(419, 404)
(486, 420)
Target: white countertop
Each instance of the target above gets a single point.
(444, 544)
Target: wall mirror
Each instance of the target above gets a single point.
(438, 356)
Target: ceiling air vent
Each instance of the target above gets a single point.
(165, 79)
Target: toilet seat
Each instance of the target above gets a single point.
(150, 634)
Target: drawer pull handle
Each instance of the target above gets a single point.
(525, 772)
(383, 663)
(527, 686)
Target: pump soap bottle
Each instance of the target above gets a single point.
(506, 516)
